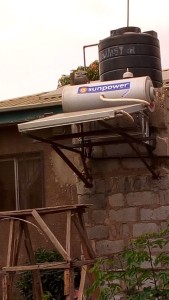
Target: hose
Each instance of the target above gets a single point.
(103, 98)
(124, 113)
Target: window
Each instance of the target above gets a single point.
(21, 181)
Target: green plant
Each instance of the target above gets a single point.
(52, 280)
(140, 272)
(92, 73)
(47, 296)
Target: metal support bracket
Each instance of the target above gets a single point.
(130, 140)
(84, 175)
(83, 148)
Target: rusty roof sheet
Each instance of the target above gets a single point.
(32, 101)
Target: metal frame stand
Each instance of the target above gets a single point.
(84, 147)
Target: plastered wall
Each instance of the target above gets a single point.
(59, 189)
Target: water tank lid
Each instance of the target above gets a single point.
(123, 30)
(152, 32)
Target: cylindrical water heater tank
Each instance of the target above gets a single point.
(128, 47)
(87, 96)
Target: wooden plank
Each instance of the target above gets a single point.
(16, 248)
(69, 284)
(45, 266)
(83, 236)
(68, 274)
(84, 249)
(10, 257)
(46, 210)
(48, 266)
(50, 235)
(37, 285)
(82, 283)
(10, 251)
(81, 220)
(68, 232)
(17, 244)
(66, 282)
(4, 287)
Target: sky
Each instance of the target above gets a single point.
(40, 40)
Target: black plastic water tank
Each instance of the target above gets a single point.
(130, 48)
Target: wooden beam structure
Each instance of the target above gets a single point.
(19, 229)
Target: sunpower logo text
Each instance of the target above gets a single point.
(104, 88)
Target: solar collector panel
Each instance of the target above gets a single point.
(78, 117)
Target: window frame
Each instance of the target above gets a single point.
(15, 158)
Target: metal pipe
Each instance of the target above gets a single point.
(84, 52)
(128, 7)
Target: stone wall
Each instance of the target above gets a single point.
(125, 200)
(124, 207)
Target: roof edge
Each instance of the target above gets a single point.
(30, 106)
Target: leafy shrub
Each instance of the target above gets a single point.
(140, 272)
(92, 73)
(52, 280)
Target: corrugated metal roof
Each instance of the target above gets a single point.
(32, 101)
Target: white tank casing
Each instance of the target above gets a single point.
(87, 96)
